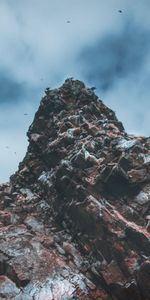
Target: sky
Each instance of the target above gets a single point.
(43, 42)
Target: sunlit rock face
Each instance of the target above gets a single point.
(75, 218)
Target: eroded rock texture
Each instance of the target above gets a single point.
(75, 218)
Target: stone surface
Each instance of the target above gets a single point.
(74, 218)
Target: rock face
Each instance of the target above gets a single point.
(75, 218)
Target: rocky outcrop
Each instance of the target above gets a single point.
(75, 218)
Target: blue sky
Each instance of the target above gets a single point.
(99, 45)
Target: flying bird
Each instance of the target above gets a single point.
(68, 21)
(120, 11)
(25, 114)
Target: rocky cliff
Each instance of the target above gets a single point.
(75, 218)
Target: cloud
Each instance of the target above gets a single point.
(118, 65)
(10, 90)
(15, 119)
(12, 150)
(116, 56)
(99, 45)
(42, 43)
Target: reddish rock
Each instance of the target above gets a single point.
(74, 219)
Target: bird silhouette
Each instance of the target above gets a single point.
(93, 88)
(120, 11)
(25, 114)
(68, 21)
(47, 91)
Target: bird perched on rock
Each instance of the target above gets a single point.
(47, 91)
(93, 88)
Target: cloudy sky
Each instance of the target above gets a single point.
(42, 42)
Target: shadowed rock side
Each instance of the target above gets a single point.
(75, 218)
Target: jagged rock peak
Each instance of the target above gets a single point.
(75, 218)
(66, 115)
(72, 98)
